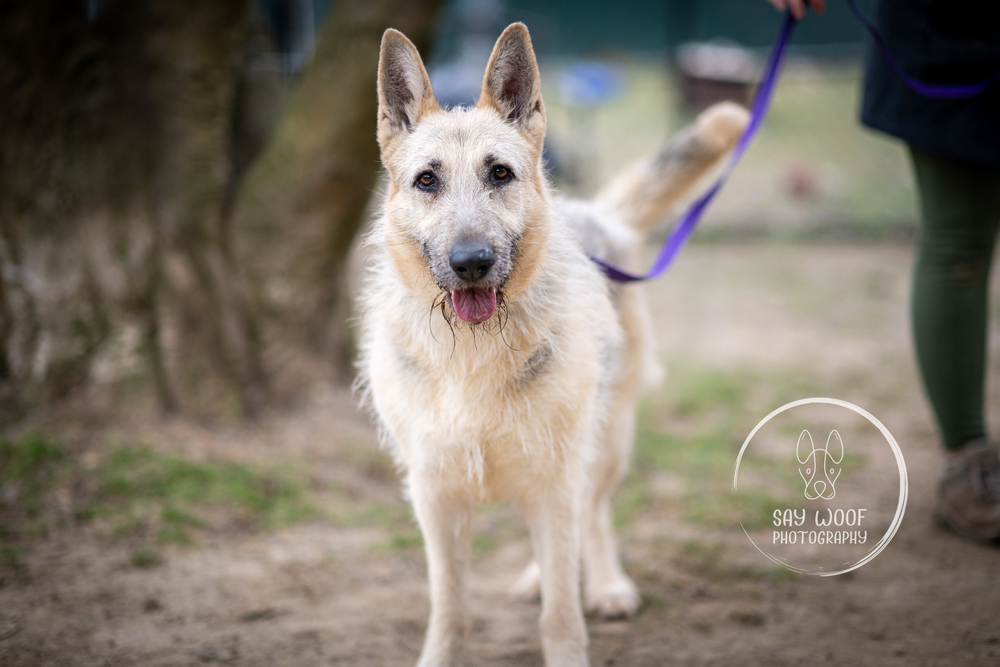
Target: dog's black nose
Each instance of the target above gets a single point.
(471, 260)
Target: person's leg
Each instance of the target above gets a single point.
(960, 206)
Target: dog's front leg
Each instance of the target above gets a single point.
(554, 520)
(445, 522)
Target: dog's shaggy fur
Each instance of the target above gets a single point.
(515, 377)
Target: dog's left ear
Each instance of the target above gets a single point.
(802, 453)
(512, 85)
(835, 447)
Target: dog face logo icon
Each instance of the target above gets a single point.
(819, 467)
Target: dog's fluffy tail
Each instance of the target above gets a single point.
(643, 194)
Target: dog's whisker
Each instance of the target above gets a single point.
(430, 320)
(454, 337)
(442, 303)
(503, 316)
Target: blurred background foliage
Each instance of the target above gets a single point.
(183, 182)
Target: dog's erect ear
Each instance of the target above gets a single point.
(835, 447)
(512, 85)
(404, 89)
(804, 448)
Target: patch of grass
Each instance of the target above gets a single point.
(653, 602)
(391, 516)
(404, 540)
(752, 509)
(139, 493)
(159, 498)
(694, 429)
(12, 565)
(632, 497)
(705, 461)
(710, 389)
(397, 520)
(145, 557)
(409, 540)
(496, 523)
(484, 543)
(175, 533)
(28, 468)
(10, 557)
(179, 517)
(137, 485)
(24, 458)
(787, 385)
(153, 498)
(705, 453)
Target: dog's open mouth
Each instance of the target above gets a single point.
(475, 304)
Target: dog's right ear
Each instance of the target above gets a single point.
(404, 89)
(803, 452)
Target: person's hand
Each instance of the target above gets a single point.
(798, 7)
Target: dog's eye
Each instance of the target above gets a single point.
(427, 181)
(501, 174)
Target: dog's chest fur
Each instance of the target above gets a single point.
(492, 408)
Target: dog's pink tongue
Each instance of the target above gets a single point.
(476, 304)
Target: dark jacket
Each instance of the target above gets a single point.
(937, 41)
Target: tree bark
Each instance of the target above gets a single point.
(115, 260)
(304, 199)
(135, 252)
(195, 50)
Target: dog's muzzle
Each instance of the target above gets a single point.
(471, 261)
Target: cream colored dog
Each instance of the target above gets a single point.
(500, 362)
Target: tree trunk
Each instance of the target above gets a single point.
(115, 260)
(133, 255)
(195, 51)
(304, 199)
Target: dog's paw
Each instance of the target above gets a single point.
(528, 587)
(618, 599)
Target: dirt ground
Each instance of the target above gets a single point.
(348, 587)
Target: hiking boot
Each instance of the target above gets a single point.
(969, 492)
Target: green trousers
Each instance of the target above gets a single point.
(960, 210)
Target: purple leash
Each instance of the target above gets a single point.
(684, 228)
(758, 110)
(942, 91)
